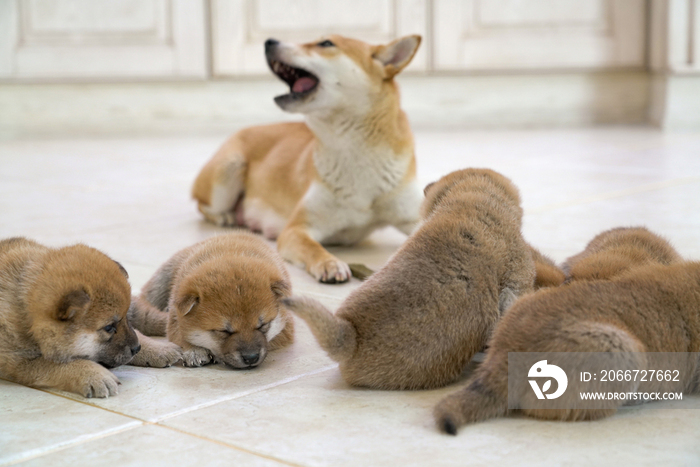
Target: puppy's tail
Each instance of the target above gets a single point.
(335, 335)
(477, 402)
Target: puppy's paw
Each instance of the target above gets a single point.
(157, 353)
(222, 219)
(97, 381)
(331, 271)
(196, 356)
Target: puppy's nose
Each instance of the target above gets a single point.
(135, 349)
(250, 358)
(271, 44)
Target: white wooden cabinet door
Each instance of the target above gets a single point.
(102, 39)
(675, 36)
(240, 27)
(538, 34)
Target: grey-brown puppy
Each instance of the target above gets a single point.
(615, 251)
(651, 308)
(221, 300)
(417, 322)
(63, 317)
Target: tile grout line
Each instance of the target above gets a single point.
(230, 446)
(39, 452)
(23, 457)
(243, 394)
(615, 194)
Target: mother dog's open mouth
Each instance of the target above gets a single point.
(301, 82)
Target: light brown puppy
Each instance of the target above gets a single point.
(615, 251)
(547, 273)
(417, 322)
(348, 170)
(221, 301)
(651, 308)
(63, 317)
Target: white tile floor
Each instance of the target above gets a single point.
(130, 198)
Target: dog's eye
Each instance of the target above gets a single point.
(264, 327)
(326, 43)
(227, 332)
(110, 328)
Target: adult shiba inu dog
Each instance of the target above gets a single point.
(416, 323)
(347, 171)
(221, 300)
(615, 251)
(63, 317)
(650, 308)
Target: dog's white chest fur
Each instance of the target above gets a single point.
(360, 189)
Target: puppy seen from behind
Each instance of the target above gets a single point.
(651, 304)
(416, 323)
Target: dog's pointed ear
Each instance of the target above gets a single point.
(427, 188)
(281, 289)
(187, 303)
(397, 54)
(71, 303)
(122, 269)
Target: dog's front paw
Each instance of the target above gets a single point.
(157, 353)
(168, 355)
(331, 271)
(222, 219)
(196, 356)
(97, 381)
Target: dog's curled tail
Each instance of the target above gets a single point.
(475, 403)
(335, 335)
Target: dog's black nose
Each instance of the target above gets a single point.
(270, 44)
(135, 349)
(250, 358)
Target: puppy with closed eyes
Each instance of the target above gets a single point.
(416, 323)
(617, 250)
(63, 317)
(221, 300)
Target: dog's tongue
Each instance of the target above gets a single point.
(303, 84)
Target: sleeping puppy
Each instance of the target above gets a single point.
(651, 308)
(63, 318)
(221, 300)
(615, 251)
(417, 322)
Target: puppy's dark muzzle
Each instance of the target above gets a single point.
(250, 359)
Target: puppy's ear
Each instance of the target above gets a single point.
(70, 304)
(397, 54)
(281, 289)
(187, 303)
(121, 268)
(427, 187)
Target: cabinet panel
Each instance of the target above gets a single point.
(240, 27)
(675, 36)
(538, 34)
(103, 38)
